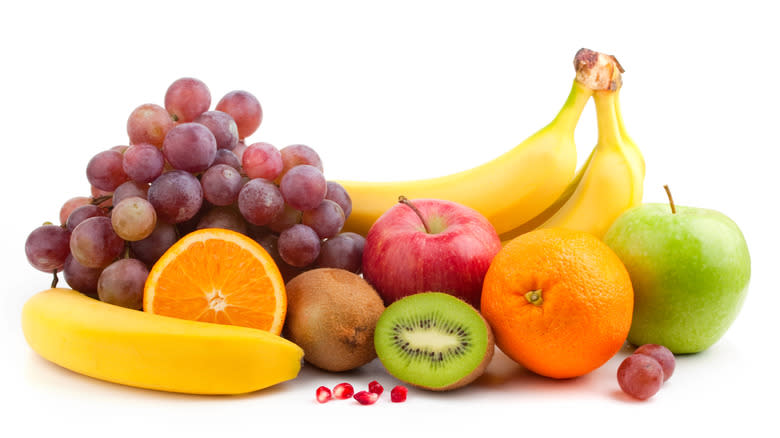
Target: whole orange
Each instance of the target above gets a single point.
(559, 302)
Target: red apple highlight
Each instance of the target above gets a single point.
(429, 245)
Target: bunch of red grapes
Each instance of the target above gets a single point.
(188, 168)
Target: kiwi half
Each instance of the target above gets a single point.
(433, 340)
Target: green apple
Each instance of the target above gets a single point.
(690, 269)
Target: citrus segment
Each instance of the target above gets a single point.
(220, 276)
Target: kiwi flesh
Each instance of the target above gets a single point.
(331, 315)
(434, 341)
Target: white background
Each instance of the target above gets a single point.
(395, 91)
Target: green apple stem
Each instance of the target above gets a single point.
(404, 200)
(671, 201)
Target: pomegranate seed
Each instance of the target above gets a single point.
(323, 394)
(366, 398)
(376, 388)
(398, 394)
(343, 391)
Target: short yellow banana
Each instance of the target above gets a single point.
(151, 351)
(610, 182)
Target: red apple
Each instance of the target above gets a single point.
(429, 245)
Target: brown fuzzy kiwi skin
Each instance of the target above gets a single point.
(478, 371)
(331, 315)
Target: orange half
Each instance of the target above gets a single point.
(219, 276)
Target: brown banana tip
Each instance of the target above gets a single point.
(598, 71)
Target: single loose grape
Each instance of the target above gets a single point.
(663, 355)
(640, 376)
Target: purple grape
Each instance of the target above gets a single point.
(663, 355)
(134, 218)
(344, 251)
(80, 277)
(105, 172)
(150, 249)
(176, 196)
(82, 213)
(260, 201)
(128, 189)
(640, 376)
(299, 245)
(143, 162)
(47, 247)
(339, 195)
(239, 150)
(222, 126)
(262, 160)
(149, 123)
(186, 99)
(221, 184)
(326, 219)
(225, 156)
(190, 147)
(94, 243)
(223, 217)
(122, 283)
(245, 109)
(303, 187)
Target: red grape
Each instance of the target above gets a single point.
(94, 243)
(297, 154)
(149, 123)
(83, 213)
(128, 189)
(299, 245)
(47, 247)
(326, 219)
(640, 376)
(143, 162)
(223, 217)
(339, 195)
(260, 201)
(245, 109)
(303, 187)
(176, 196)
(105, 171)
(663, 355)
(225, 156)
(80, 277)
(262, 160)
(186, 99)
(72, 204)
(134, 218)
(344, 251)
(190, 147)
(122, 283)
(150, 249)
(222, 126)
(221, 184)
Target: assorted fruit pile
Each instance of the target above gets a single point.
(246, 260)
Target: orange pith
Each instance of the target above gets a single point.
(220, 276)
(559, 302)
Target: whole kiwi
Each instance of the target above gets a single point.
(331, 314)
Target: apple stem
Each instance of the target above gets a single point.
(671, 201)
(403, 200)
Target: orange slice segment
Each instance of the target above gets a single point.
(220, 276)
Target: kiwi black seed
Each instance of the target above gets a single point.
(433, 340)
(331, 315)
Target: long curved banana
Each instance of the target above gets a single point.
(610, 182)
(508, 190)
(141, 349)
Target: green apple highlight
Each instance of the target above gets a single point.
(690, 270)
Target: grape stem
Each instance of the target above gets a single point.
(54, 280)
(404, 200)
(101, 199)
